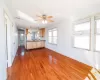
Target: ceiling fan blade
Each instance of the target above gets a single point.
(50, 20)
(49, 16)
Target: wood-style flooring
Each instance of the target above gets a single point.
(44, 64)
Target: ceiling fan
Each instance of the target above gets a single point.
(44, 18)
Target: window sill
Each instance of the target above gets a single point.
(82, 48)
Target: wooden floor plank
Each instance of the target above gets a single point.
(44, 64)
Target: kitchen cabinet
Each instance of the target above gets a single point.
(26, 31)
(29, 45)
(42, 32)
(35, 44)
(38, 44)
(42, 43)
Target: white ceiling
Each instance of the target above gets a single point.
(60, 9)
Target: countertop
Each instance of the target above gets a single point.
(35, 40)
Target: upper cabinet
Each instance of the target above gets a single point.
(42, 32)
(33, 34)
(26, 31)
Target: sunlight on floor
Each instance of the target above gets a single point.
(93, 75)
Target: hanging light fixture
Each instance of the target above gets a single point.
(44, 21)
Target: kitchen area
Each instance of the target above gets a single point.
(34, 38)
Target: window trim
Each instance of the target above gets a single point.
(52, 36)
(80, 22)
(95, 33)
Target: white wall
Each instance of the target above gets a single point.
(15, 41)
(64, 45)
(3, 53)
(2, 45)
(65, 34)
(13, 36)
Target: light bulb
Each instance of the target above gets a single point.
(44, 21)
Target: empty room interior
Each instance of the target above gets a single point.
(50, 39)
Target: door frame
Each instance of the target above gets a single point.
(7, 42)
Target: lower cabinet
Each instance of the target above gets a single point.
(36, 44)
(42, 43)
(29, 45)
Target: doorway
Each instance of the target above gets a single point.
(21, 38)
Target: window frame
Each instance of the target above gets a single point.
(95, 33)
(73, 33)
(49, 36)
(52, 29)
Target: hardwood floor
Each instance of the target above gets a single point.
(44, 64)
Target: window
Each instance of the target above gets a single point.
(52, 36)
(81, 35)
(97, 48)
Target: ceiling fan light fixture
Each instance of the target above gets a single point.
(44, 22)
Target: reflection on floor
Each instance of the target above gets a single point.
(44, 64)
